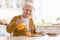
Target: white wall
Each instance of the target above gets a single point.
(51, 10)
(13, 8)
(8, 14)
(38, 12)
(48, 10)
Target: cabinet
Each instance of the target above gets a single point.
(48, 28)
(11, 3)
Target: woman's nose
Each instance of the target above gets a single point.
(28, 11)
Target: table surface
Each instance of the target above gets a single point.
(49, 25)
(46, 37)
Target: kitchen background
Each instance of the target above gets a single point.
(45, 12)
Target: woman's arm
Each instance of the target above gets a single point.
(11, 26)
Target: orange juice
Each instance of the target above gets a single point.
(21, 26)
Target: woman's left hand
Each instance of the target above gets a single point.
(28, 34)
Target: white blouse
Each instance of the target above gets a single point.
(26, 22)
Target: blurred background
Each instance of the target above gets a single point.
(45, 12)
(43, 9)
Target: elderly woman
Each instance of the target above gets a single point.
(24, 18)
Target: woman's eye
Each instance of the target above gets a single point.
(30, 10)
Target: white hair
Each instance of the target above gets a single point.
(28, 4)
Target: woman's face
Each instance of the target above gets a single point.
(27, 11)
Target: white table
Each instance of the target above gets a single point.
(5, 36)
(3, 31)
(46, 37)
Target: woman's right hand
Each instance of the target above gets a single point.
(18, 21)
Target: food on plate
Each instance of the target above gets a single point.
(52, 34)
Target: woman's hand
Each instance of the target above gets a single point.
(28, 34)
(18, 21)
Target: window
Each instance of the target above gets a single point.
(11, 3)
(37, 15)
(47, 10)
(10, 8)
